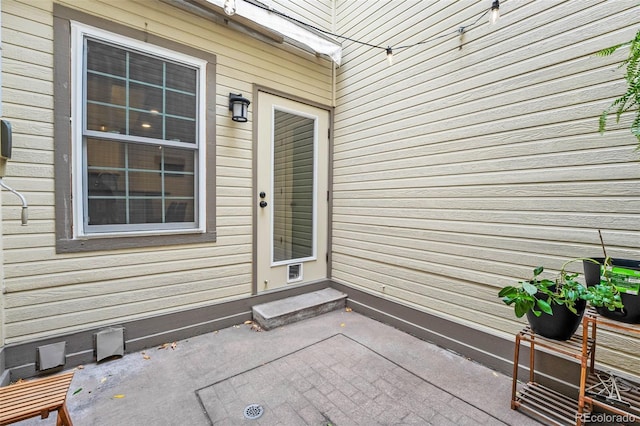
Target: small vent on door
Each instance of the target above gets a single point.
(294, 272)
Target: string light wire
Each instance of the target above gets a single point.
(457, 31)
(389, 50)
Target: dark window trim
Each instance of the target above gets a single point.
(65, 243)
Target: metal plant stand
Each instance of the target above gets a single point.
(596, 388)
(537, 400)
(604, 390)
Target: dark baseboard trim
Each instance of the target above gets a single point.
(490, 350)
(4, 374)
(19, 360)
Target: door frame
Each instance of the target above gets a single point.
(254, 181)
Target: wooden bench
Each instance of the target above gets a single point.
(38, 397)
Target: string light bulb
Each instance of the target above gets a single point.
(229, 7)
(495, 12)
(389, 55)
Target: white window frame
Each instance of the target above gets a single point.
(78, 33)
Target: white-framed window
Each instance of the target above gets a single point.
(138, 130)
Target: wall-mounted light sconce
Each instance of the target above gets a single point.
(239, 106)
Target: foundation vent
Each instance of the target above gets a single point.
(109, 343)
(51, 356)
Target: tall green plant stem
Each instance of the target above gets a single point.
(630, 100)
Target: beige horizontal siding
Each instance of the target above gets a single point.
(472, 160)
(318, 13)
(49, 293)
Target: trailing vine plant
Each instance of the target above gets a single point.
(537, 294)
(630, 100)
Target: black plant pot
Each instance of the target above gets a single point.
(631, 311)
(559, 326)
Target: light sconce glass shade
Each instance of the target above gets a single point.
(239, 107)
(495, 12)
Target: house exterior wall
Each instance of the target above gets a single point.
(456, 171)
(50, 293)
(475, 158)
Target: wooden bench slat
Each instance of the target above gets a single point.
(22, 409)
(57, 392)
(62, 390)
(34, 404)
(35, 398)
(62, 378)
(51, 388)
(56, 378)
(14, 416)
(18, 419)
(34, 383)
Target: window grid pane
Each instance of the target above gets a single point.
(137, 184)
(142, 117)
(133, 183)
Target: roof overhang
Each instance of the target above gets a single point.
(263, 23)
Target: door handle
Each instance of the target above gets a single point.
(263, 204)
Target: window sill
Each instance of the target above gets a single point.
(131, 241)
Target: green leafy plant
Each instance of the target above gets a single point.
(604, 294)
(524, 296)
(538, 294)
(630, 100)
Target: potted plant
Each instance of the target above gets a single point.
(624, 274)
(554, 307)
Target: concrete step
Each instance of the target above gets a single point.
(291, 309)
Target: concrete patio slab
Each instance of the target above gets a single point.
(340, 368)
(338, 381)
